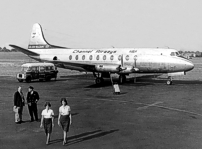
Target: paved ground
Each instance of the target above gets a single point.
(148, 114)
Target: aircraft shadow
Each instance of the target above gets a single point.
(84, 136)
(108, 83)
(140, 80)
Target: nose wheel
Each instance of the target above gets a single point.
(122, 79)
(169, 81)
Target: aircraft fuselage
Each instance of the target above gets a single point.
(150, 62)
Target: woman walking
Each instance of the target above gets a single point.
(47, 121)
(64, 118)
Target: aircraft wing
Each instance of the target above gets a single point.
(25, 51)
(85, 65)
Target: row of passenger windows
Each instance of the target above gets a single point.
(99, 57)
(36, 68)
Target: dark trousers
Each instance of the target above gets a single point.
(33, 111)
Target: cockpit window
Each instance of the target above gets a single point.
(172, 53)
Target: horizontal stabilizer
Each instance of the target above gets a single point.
(25, 51)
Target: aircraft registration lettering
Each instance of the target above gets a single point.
(38, 46)
(105, 51)
(132, 51)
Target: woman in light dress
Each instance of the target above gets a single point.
(47, 121)
(64, 118)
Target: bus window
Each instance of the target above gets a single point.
(42, 68)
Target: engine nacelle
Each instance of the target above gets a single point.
(107, 68)
(129, 69)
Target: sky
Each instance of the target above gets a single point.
(105, 23)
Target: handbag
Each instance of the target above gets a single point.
(15, 109)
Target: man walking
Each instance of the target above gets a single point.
(19, 102)
(32, 99)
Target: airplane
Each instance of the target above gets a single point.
(106, 61)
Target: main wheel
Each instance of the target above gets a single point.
(99, 80)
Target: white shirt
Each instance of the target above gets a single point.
(47, 113)
(64, 110)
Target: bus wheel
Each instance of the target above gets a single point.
(48, 78)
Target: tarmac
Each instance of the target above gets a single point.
(147, 114)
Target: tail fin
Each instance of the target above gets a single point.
(37, 39)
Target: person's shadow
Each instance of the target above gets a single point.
(84, 136)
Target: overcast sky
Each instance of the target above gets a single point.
(105, 23)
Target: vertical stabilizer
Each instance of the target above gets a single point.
(37, 37)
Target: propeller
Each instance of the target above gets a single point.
(121, 67)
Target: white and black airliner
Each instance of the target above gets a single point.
(102, 62)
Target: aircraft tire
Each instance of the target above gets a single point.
(98, 81)
(122, 79)
(169, 82)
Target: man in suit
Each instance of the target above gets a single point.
(32, 99)
(19, 102)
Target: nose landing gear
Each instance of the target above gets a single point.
(169, 81)
(122, 79)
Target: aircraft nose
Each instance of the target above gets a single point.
(189, 66)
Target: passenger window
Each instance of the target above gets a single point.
(42, 68)
(48, 68)
(90, 57)
(70, 57)
(97, 57)
(111, 57)
(127, 57)
(83, 57)
(104, 57)
(172, 54)
(34, 68)
(77, 57)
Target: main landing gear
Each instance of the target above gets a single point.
(98, 78)
(169, 81)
